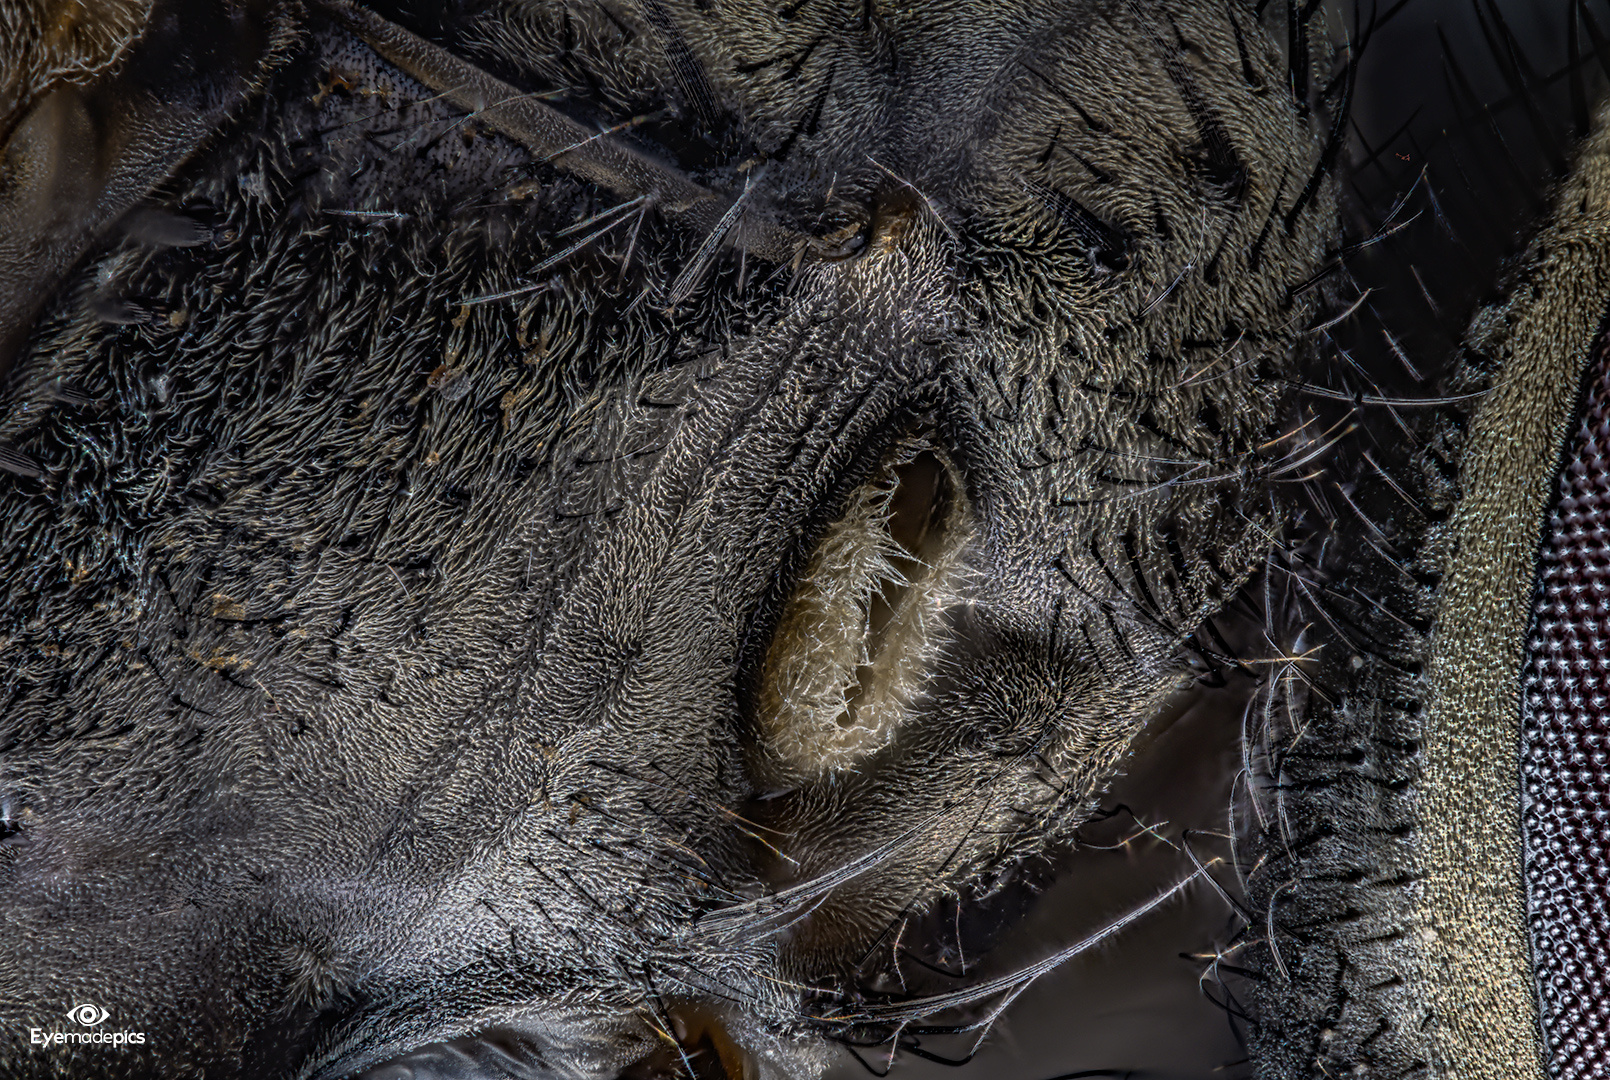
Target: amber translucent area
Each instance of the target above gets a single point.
(696, 1047)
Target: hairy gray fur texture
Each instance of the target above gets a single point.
(387, 576)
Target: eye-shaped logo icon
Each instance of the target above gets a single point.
(87, 1014)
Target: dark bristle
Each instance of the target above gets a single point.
(1298, 14)
(1462, 91)
(1333, 145)
(1248, 75)
(1579, 91)
(1518, 77)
